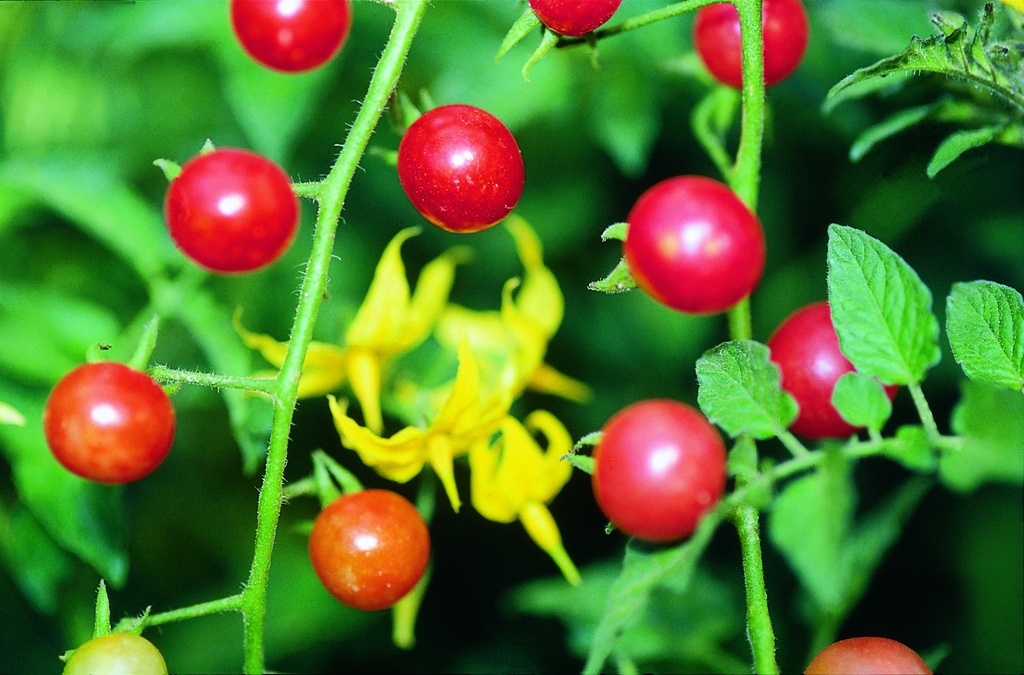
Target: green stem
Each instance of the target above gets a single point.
(409, 13)
(213, 380)
(230, 604)
(924, 411)
(759, 623)
(640, 20)
(745, 180)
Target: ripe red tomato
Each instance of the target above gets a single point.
(716, 37)
(108, 423)
(461, 168)
(658, 468)
(291, 35)
(116, 654)
(805, 347)
(574, 17)
(369, 548)
(694, 246)
(232, 210)
(867, 656)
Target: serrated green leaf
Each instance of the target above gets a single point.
(739, 390)
(957, 144)
(958, 52)
(861, 401)
(523, 26)
(991, 423)
(985, 328)
(880, 308)
(644, 569)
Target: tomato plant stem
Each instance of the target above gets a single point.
(745, 180)
(331, 199)
(759, 623)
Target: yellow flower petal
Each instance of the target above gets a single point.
(398, 458)
(540, 298)
(363, 369)
(541, 527)
(382, 314)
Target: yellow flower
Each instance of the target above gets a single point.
(390, 321)
(513, 341)
(1018, 4)
(513, 478)
(463, 420)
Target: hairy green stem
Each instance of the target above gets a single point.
(331, 199)
(212, 380)
(641, 20)
(229, 604)
(745, 180)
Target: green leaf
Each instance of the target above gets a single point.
(94, 200)
(896, 123)
(644, 569)
(991, 423)
(38, 566)
(809, 524)
(861, 401)
(958, 52)
(739, 390)
(523, 26)
(44, 334)
(985, 327)
(619, 280)
(957, 144)
(624, 118)
(880, 308)
(711, 120)
(912, 448)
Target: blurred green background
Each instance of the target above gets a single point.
(93, 92)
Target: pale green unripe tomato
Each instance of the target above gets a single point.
(116, 654)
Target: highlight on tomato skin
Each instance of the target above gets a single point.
(369, 548)
(291, 36)
(659, 467)
(109, 423)
(461, 168)
(867, 656)
(574, 18)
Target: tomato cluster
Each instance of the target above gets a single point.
(109, 423)
(658, 468)
(369, 548)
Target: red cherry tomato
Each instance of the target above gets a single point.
(658, 468)
(574, 17)
(694, 246)
(806, 349)
(108, 423)
(716, 37)
(291, 35)
(232, 210)
(116, 654)
(461, 168)
(369, 548)
(867, 656)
